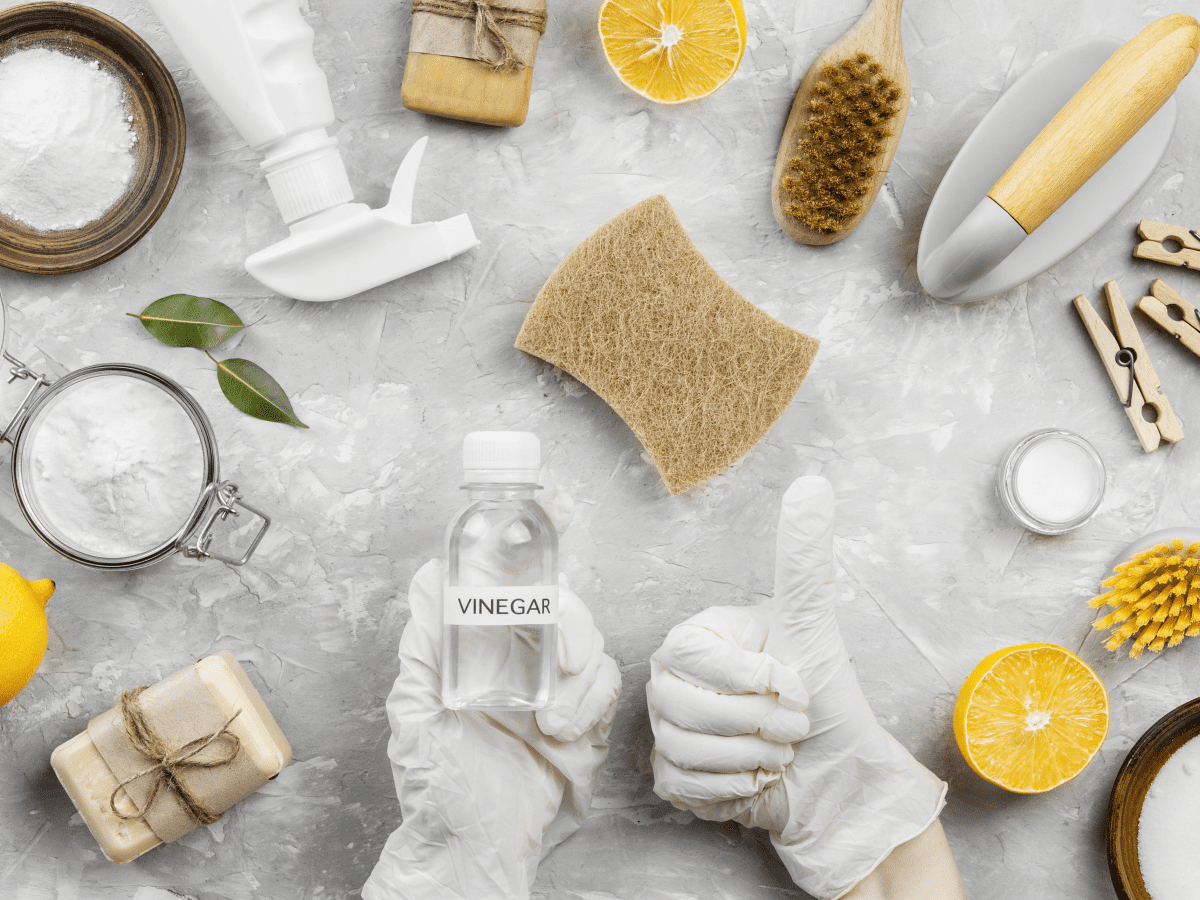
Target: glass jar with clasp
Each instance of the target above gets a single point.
(115, 466)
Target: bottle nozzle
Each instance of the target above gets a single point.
(338, 248)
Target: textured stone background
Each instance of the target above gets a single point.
(907, 411)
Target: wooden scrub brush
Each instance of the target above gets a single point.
(843, 129)
(1155, 594)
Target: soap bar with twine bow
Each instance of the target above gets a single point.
(170, 758)
(473, 59)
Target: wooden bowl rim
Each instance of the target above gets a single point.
(1147, 756)
(161, 93)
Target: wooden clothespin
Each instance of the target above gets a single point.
(1151, 247)
(1170, 311)
(1128, 365)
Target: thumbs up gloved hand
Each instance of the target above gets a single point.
(485, 797)
(758, 718)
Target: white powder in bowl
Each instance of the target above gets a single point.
(115, 465)
(1169, 828)
(65, 139)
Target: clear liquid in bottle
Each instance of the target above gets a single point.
(500, 607)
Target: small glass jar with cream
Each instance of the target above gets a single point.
(1051, 481)
(115, 466)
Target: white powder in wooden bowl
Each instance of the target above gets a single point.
(65, 139)
(116, 466)
(1169, 828)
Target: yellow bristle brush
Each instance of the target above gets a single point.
(1154, 595)
(843, 129)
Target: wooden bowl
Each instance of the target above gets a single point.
(1141, 766)
(153, 102)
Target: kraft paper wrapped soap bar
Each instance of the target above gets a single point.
(473, 59)
(171, 757)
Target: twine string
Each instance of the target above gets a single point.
(489, 16)
(169, 763)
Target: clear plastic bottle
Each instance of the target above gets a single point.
(500, 612)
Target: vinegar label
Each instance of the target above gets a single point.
(527, 604)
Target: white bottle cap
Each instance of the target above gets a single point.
(308, 180)
(502, 457)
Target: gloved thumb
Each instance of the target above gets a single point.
(804, 567)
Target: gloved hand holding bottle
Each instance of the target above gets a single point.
(486, 795)
(758, 718)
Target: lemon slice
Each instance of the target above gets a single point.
(672, 51)
(1031, 717)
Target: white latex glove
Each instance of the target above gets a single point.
(836, 791)
(485, 797)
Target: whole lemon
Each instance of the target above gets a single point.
(23, 630)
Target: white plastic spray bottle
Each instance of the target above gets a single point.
(255, 58)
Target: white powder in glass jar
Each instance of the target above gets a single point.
(115, 465)
(65, 139)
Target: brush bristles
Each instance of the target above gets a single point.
(1155, 598)
(835, 163)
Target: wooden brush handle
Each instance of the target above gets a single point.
(1106, 112)
(880, 24)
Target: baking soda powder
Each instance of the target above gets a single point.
(117, 466)
(1169, 828)
(66, 140)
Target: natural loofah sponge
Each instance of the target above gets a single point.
(638, 315)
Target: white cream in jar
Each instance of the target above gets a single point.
(1051, 481)
(116, 466)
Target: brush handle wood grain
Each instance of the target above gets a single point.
(876, 33)
(1105, 113)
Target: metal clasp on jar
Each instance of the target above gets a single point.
(18, 370)
(227, 500)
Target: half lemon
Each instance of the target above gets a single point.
(672, 51)
(1030, 717)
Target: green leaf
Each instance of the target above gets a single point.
(248, 387)
(182, 320)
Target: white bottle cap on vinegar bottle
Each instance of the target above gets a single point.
(502, 457)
